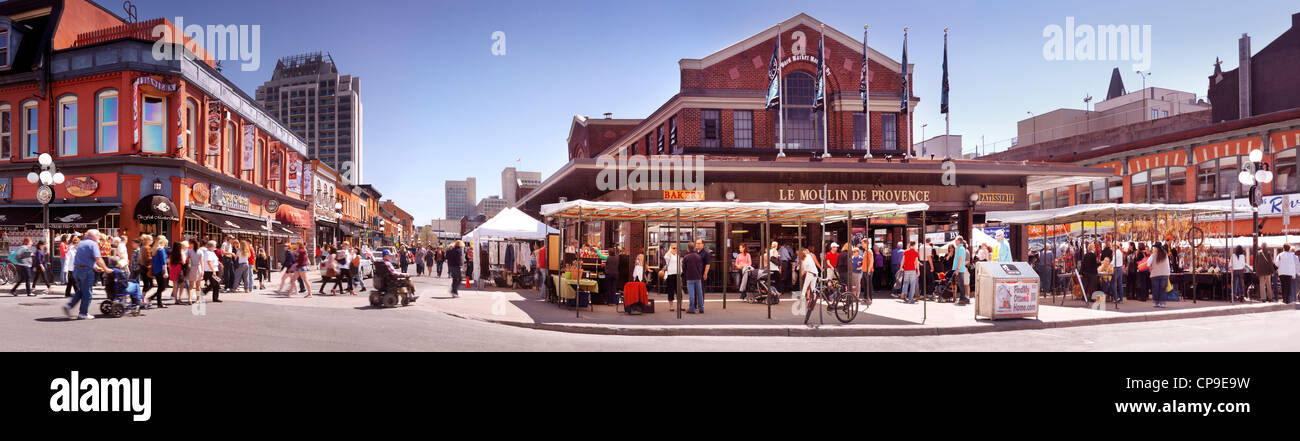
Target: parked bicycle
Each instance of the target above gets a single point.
(839, 300)
(8, 273)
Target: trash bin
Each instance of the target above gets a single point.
(1006, 290)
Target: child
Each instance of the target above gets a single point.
(121, 282)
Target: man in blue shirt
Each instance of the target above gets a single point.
(86, 263)
(959, 260)
(706, 259)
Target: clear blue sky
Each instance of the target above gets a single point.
(439, 105)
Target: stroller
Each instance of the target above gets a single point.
(944, 291)
(756, 289)
(124, 298)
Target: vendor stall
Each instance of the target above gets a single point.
(505, 231)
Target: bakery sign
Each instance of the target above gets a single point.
(199, 192)
(82, 186)
(223, 197)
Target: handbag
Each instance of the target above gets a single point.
(1145, 264)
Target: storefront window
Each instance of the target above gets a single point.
(153, 136)
(1140, 187)
(106, 112)
(1284, 164)
(1207, 179)
(68, 126)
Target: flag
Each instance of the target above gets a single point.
(906, 95)
(864, 86)
(943, 100)
(819, 100)
(774, 75)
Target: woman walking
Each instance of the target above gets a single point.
(41, 266)
(808, 267)
(71, 253)
(175, 266)
(263, 263)
(158, 269)
(1159, 267)
(290, 267)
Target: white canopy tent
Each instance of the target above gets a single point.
(509, 225)
(1104, 212)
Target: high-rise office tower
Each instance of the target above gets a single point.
(309, 96)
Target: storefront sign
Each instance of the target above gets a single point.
(275, 166)
(226, 198)
(683, 195)
(812, 195)
(295, 184)
(1015, 299)
(199, 192)
(6, 188)
(271, 205)
(997, 198)
(82, 186)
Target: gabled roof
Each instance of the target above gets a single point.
(770, 33)
(583, 121)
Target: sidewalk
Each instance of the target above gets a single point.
(884, 317)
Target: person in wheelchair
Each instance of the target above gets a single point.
(387, 276)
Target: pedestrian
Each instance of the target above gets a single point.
(349, 265)
(290, 264)
(855, 272)
(911, 258)
(211, 269)
(175, 264)
(832, 261)
(1287, 267)
(142, 257)
(693, 271)
(428, 261)
(1265, 269)
(41, 266)
(1159, 273)
(895, 268)
(404, 259)
(808, 267)
(879, 275)
(303, 262)
(158, 269)
(455, 258)
(68, 256)
(263, 266)
(440, 258)
(1088, 271)
(1239, 268)
(419, 261)
(743, 264)
(844, 264)
(22, 257)
(228, 255)
(87, 262)
(669, 274)
(242, 268)
(960, 262)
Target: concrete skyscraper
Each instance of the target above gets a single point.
(307, 94)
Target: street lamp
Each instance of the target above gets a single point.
(1253, 174)
(47, 175)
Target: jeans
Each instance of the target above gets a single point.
(695, 288)
(84, 278)
(1158, 286)
(961, 286)
(24, 274)
(1238, 284)
(60, 275)
(1118, 281)
(439, 269)
(455, 279)
(909, 285)
(241, 276)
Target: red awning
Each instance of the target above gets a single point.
(293, 216)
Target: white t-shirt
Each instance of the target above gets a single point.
(810, 265)
(670, 264)
(209, 260)
(773, 260)
(1238, 262)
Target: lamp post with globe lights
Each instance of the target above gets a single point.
(47, 175)
(1253, 174)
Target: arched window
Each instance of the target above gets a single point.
(191, 126)
(228, 148)
(153, 130)
(68, 125)
(6, 132)
(31, 130)
(106, 135)
(257, 164)
(802, 125)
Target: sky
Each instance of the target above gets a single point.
(440, 105)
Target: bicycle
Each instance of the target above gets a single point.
(839, 300)
(7, 273)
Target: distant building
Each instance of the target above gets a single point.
(490, 206)
(307, 94)
(942, 146)
(1271, 72)
(512, 181)
(1150, 104)
(460, 198)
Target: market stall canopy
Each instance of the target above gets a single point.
(720, 211)
(1103, 212)
(156, 208)
(511, 224)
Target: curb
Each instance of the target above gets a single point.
(874, 331)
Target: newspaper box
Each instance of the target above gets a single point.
(1006, 290)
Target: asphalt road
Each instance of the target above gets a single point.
(37, 324)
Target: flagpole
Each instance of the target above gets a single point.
(826, 102)
(911, 123)
(866, 94)
(947, 123)
(780, 96)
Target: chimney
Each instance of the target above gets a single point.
(609, 115)
(1243, 78)
(1295, 20)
